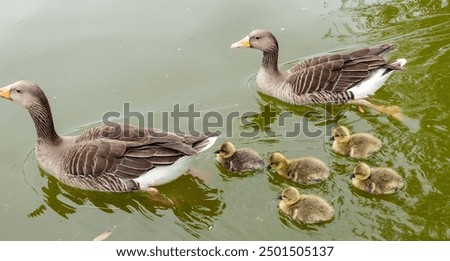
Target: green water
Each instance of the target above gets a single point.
(91, 57)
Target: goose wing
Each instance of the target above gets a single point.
(338, 72)
(126, 151)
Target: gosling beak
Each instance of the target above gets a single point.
(279, 197)
(332, 138)
(4, 92)
(268, 167)
(351, 176)
(216, 152)
(244, 43)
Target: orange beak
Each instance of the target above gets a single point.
(4, 92)
(244, 43)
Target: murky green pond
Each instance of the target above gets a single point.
(94, 57)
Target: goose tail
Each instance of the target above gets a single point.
(161, 175)
(204, 141)
(378, 77)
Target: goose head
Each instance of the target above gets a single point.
(25, 93)
(278, 162)
(340, 134)
(258, 39)
(290, 196)
(30, 96)
(226, 150)
(361, 171)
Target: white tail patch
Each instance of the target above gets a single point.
(401, 61)
(372, 83)
(211, 141)
(164, 174)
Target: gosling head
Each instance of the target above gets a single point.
(277, 161)
(226, 150)
(290, 196)
(340, 133)
(361, 171)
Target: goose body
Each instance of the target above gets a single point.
(336, 78)
(237, 160)
(306, 170)
(376, 180)
(114, 157)
(309, 209)
(358, 145)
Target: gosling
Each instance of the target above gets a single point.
(237, 160)
(376, 180)
(306, 171)
(308, 209)
(358, 145)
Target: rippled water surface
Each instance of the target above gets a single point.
(92, 57)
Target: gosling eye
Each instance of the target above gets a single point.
(257, 37)
(18, 91)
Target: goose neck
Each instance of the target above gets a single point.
(270, 60)
(43, 122)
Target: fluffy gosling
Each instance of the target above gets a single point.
(237, 160)
(358, 145)
(376, 180)
(308, 209)
(306, 171)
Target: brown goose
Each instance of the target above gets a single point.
(337, 78)
(306, 171)
(237, 160)
(376, 180)
(117, 158)
(309, 209)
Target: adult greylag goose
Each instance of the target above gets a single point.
(309, 209)
(115, 157)
(357, 145)
(306, 170)
(376, 180)
(237, 160)
(337, 78)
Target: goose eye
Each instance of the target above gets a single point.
(18, 91)
(257, 37)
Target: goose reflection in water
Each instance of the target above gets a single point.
(194, 203)
(293, 121)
